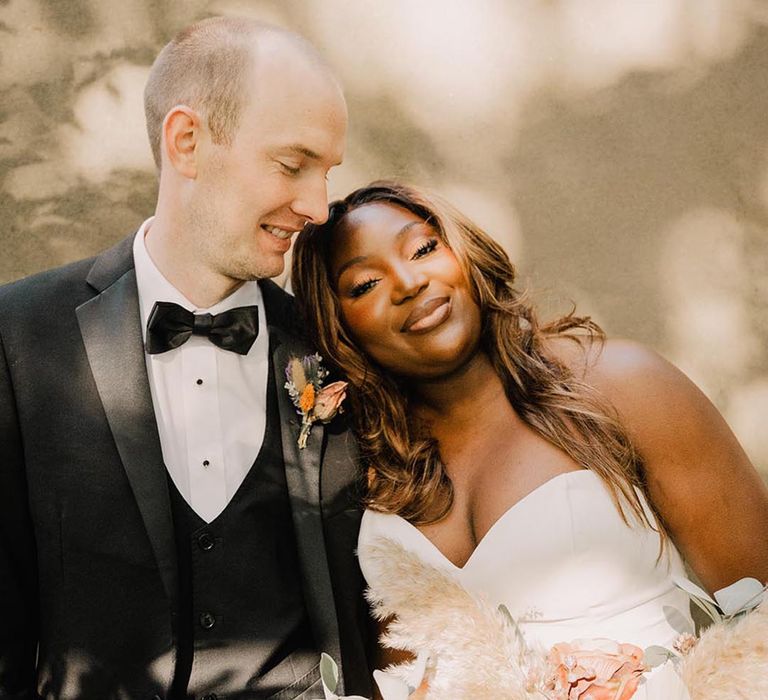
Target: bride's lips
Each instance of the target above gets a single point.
(427, 315)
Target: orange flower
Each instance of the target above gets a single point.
(598, 669)
(307, 400)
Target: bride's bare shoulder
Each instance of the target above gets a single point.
(657, 403)
(699, 478)
(617, 367)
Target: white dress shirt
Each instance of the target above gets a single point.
(210, 404)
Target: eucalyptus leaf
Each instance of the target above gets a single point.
(329, 673)
(753, 602)
(700, 597)
(692, 589)
(656, 656)
(741, 596)
(709, 610)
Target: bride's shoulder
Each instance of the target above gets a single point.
(658, 404)
(619, 369)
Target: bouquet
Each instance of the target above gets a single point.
(478, 651)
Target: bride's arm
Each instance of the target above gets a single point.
(713, 501)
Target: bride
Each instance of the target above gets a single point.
(541, 467)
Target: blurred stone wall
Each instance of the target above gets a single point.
(619, 150)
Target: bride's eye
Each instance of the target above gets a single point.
(425, 248)
(362, 287)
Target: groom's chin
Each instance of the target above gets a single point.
(274, 266)
(261, 264)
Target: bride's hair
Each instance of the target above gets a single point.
(405, 473)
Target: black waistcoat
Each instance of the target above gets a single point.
(242, 629)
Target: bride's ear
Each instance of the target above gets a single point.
(182, 129)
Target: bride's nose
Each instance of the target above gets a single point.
(409, 281)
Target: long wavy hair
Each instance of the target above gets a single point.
(405, 472)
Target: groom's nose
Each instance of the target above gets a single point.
(311, 201)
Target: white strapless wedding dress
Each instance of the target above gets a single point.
(564, 564)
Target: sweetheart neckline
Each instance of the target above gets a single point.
(502, 517)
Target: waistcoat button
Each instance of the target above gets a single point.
(207, 620)
(205, 542)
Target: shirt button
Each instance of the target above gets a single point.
(207, 620)
(210, 696)
(205, 462)
(199, 382)
(205, 542)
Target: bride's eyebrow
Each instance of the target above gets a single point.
(352, 261)
(407, 228)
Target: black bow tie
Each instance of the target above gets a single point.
(171, 325)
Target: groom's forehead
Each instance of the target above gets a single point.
(280, 67)
(298, 105)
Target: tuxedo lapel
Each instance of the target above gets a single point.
(110, 324)
(302, 472)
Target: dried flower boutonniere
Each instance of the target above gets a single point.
(304, 381)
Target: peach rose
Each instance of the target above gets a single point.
(595, 669)
(329, 400)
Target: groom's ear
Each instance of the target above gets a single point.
(181, 139)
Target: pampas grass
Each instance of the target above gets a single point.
(476, 655)
(730, 661)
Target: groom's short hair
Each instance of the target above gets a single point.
(206, 67)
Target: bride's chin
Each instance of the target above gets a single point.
(448, 365)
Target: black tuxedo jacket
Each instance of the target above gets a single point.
(87, 557)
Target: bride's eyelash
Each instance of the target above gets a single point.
(425, 248)
(362, 287)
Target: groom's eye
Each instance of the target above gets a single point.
(290, 169)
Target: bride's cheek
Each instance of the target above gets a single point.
(357, 320)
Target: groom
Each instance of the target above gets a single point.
(162, 535)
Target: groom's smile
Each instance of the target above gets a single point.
(279, 232)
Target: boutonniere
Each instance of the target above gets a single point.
(304, 381)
